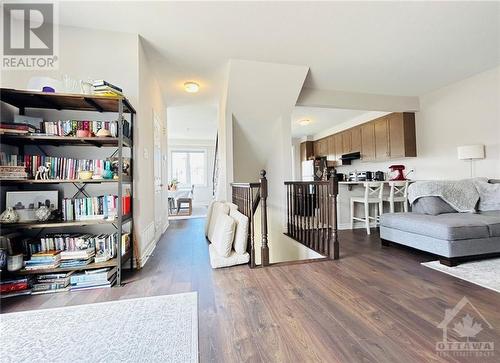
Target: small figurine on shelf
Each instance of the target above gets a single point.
(173, 185)
(9, 215)
(43, 172)
(43, 213)
(107, 173)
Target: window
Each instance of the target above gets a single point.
(189, 167)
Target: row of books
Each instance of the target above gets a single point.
(89, 208)
(15, 286)
(70, 127)
(12, 172)
(59, 167)
(103, 88)
(16, 128)
(50, 283)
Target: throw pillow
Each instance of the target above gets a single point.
(241, 234)
(218, 209)
(432, 206)
(224, 235)
(489, 195)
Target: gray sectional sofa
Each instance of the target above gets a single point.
(434, 226)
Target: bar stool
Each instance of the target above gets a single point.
(373, 195)
(398, 194)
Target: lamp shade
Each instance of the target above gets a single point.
(467, 152)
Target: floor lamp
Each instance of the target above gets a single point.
(470, 152)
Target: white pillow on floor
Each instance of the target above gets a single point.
(209, 216)
(218, 209)
(241, 234)
(223, 235)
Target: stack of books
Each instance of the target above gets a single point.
(16, 128)
(77, 258)
(93, 279)
(13, 173)
(50, 283)
(14, 287)
(44, 260)
(70, 127)
(90, 208)
(103, 88)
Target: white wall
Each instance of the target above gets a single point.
(119, 59)
(202, 194)
(466, 112)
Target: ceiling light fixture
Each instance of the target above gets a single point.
(304, 122)
(191, 87)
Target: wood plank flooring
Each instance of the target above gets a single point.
(373, 305)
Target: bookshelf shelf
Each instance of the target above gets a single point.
(91, 266)
(13, 139)
(125, 179)
(125, 116)
(57, 224)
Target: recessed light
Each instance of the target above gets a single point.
(191, 87)
(304, 122)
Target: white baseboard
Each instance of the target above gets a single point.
(147, 236)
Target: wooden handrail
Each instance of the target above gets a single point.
(247, 197)
(312, 214)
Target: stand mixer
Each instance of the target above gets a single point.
(398, 169)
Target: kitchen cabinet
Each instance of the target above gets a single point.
(331, 155)
(306, 150)
(368, 141)
(402, 140)
(338, 146)
(321, 147)
(381, 138)
(356, 139)
(346, 142)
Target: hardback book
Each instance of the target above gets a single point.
(101, 82)
(88, 277)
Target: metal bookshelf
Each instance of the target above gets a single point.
(76, 102)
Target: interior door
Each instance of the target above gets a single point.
(159, 203)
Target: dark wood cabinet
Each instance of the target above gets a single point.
(306, 150)
(331, 155)
(402, 140)
(338, 146)
(346, 142)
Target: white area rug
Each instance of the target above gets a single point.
(153, 329)
(484, 273)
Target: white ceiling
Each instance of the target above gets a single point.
(321, 119)
(192, 122)
(393, 48)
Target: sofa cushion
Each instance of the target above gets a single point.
(209, 216)
(233, 259)
(218, 209)
(492, 220)
(432, 206)
(448, 226)
(223, 235)
(489, 195)
(241, 234)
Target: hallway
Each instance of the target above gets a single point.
(373, 304)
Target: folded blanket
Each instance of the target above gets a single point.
(462, 195)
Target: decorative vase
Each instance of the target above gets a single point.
(107, 173)
(15, 262)
(3, 259)
(9, 215)
(43, 213)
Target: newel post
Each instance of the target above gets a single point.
(333, 241)
(263, 200)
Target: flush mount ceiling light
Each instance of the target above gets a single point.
(304, 122)
(191, 87)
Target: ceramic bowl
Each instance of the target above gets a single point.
(85, 175)
(103, 133)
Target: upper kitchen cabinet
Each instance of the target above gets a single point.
(368, 141)
(346, 142)
(339, 148)
(321, 147)
(402, 139)
(306, 150)
(331, 155)
(356, 139)
(381, 138)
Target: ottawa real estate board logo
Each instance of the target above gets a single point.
(30, 36)
(464, 332)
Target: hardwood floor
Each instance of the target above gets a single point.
(374, 304)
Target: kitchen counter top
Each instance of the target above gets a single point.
(350, 184)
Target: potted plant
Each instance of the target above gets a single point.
(173, 184)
